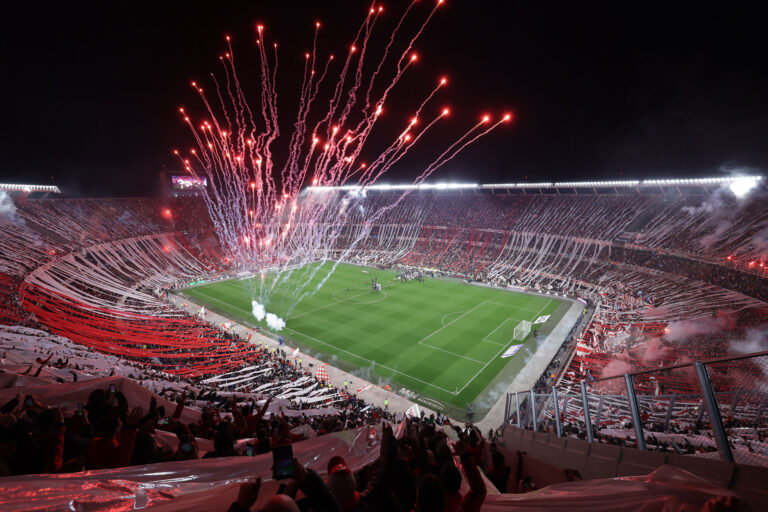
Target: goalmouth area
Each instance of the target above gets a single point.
(440, 342)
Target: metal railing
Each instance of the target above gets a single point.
(711, 409)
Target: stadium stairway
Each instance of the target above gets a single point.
(547, 460)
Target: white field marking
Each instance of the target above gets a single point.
(485, 365)
(370, 361)
(447, 314)
(329, 305)
(341, 349)
(452, 353)
(497, 328)
(382, 295)
(225, 303)
(420, 342)
(503, 348)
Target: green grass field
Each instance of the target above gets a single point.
(439, 341)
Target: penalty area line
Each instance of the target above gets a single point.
(503, 348)
(224, 303)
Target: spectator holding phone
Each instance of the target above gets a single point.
(317, 496)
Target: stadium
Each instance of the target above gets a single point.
(319, 337)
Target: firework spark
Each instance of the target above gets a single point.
(262, 219)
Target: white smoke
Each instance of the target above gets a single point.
(723, 207)
(275, 322)
(685, 329)
(7, 208)
(258, 310)
(755, 340)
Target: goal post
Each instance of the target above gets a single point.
(522, 330)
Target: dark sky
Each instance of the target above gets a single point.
(599, 89)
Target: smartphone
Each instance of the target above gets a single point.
(187, 447)
(7, 408)
(282, 462)
(163, 421)
(249, 450)
(79, 408)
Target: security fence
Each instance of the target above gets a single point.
(712, 409)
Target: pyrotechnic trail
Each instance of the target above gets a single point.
(263, 220)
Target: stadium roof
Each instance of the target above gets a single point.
(732, 181)
(9, 187)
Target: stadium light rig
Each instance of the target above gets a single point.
(739, 185)
(9, 187)
(382, 186)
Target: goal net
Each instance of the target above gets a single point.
(522, 330)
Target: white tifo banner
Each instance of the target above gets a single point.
(511, 351)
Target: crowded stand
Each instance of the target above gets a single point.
(552, 243)
(101, 370)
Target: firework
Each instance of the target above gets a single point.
(262, 219)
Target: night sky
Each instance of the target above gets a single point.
(90, 90)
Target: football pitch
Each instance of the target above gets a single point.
(440, 341)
